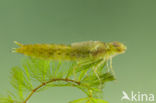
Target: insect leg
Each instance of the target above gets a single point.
(75, 71)
(80, 65)
(87, 63)
(97, 75)
(111, 66)
(107, 63)
(95, 69)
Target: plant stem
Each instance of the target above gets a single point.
(45, 83)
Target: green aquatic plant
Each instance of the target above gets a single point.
(86, 66)
(37, 75)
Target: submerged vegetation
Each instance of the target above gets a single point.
(37, 75)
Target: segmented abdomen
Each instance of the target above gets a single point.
(52, 51)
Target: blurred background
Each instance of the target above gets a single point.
(132, 22)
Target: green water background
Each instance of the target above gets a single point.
(132, 22)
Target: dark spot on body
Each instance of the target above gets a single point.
(97, 52)
(67, 54)
(59, 53)
(51, 53)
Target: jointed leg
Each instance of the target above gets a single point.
(95, 69)
(111, 66)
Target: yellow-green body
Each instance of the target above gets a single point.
(76, 51)
(83, 52)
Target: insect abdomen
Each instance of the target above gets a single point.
(57, 52)
(45, 51)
